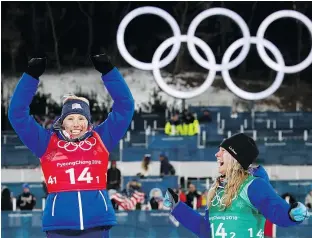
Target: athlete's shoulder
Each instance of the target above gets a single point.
(259, 184)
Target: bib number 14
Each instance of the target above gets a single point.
(220, 232)
(84, 176)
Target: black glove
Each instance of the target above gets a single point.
(36, 67)
(101, 63)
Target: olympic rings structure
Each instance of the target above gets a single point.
(211, 64)
(73, 146)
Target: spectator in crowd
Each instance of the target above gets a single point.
(132, 186)
(6, 199)
(288, 198)
(132, 189)
(190, 125)
(205, 118)
(156, 199)
(181, 193)
(113, 177)
(26, 200)
(204, 198)
(174, 126)
(308, 200)
(111, 194)
(184, 114)
(193, 195)
(130, 199)
(165, 167)
(145, 166)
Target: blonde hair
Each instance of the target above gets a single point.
(74, 97)
(235, 176)
(145, 163)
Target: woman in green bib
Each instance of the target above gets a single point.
(240, 200)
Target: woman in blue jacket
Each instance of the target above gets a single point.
(74, 154)
(240, 200)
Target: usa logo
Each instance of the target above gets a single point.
(76, 106)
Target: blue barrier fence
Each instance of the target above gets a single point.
(298, 188)
(148, 183)
(136, 224)
(151, 182)
(184, 149)
(287, 153)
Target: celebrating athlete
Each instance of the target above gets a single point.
(74, 154)
(238, 202)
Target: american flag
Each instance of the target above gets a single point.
(128, 203)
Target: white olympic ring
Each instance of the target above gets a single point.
(218, 200)
(260, 35)
(75, 145)
(210, 64)
(137, 12)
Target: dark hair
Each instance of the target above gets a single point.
(6, 203)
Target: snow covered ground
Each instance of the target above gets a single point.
(141, 83)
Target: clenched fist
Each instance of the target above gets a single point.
(36, 67)
(101, 63)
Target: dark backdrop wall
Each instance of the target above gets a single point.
(67, 32)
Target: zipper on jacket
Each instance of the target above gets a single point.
(80, 211)
(53, 205)
(103, 199)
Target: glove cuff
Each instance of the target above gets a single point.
(32, 74)
(174, 195)
(106, 68)
(292, 205)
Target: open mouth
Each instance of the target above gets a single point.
(75, 132)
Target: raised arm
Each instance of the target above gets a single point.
(192, 220)
(118, 121)
(35, 137)
(188, 217)
(273, 207)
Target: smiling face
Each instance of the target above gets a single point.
(224, 160)
(75, 125)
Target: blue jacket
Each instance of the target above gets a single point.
(73, 210)
(261, 194)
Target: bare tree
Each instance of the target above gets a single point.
(56, 51)
(35, 27)
(89, 16)
(243, 66)
(117, 15)
(300, 7)
(11, 36)
(181, 9)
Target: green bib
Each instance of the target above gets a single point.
(240, 220)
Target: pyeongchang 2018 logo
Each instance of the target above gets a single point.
(210, 64)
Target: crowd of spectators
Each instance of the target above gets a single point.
(25, 201)
(186, 123)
